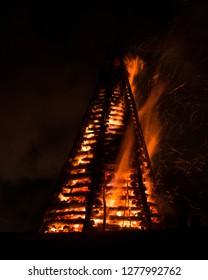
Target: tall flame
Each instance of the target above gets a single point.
(122, 172)
(148, 114)
(151, 130)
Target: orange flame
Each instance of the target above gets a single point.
(148, 114)
(149, 120)
(148, 117)
(123, 170)
(134, 67)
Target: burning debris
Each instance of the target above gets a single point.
(107, 182)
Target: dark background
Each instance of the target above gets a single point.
(51, 55)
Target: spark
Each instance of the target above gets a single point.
(175, 150)
(175, 89)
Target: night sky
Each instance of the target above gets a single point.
(51, 57)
